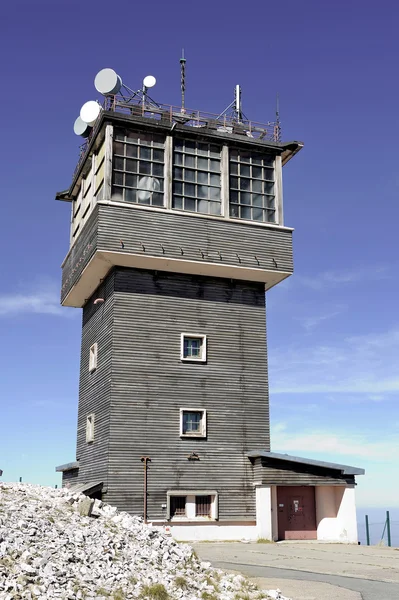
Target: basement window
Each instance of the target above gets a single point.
(193, 505)
(193, 347)
(90, 428)
(93, 357)
(192, 422)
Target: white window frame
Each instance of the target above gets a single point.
(90, 428)
(93, 356)
(195, 434)
(191, 505)
(200, 336)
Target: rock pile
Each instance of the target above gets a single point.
(50, 550)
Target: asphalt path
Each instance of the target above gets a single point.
(369, 589)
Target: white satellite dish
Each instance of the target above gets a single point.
(146, 186)
(90, 111)
(107, 82)
(81, 128)
(149, 81)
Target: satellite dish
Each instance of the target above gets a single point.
(146, 186)
(149, 81)
(81, 128)
(107, 82)
(90, 111)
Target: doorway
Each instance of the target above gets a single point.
(296, 511)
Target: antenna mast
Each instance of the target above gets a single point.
(183, 79)
(278, 124)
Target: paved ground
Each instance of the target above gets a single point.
(312, 570)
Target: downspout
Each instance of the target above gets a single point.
(144, 460)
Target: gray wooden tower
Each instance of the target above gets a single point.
(177, 231)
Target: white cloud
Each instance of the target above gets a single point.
(310, 323)
(43, 298)
(330, 279)
(324, 442)
(357, 365)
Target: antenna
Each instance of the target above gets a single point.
(81, 128)
(90, 111)
(278, 124)
(107, 82)
(183, 79)
(238, 104)
(236, 113)
(148, 82)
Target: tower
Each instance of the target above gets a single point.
(177, 231)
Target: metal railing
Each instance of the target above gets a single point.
(166, 113)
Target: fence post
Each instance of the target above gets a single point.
(367, 531)
(388, 523)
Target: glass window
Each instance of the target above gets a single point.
(196, 177)
(193, 347)
(252, 192)
(192, 422)
(138, 170)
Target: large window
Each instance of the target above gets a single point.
(138, 171)
(252, 192)
(196, 177)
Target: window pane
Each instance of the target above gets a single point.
(215, 208)
(257, 186)
(130, 195)
(157, 155)
(178, 173)
(245, 184)
(202, 206)
(245, 171)
(178, 158)
(269, 174)
(157, 199)
(118, 178)
(202, 163)
(203, 191)
(189, 204)
(202, 177)
(257, 214)
(189, 189)
(131, 165)
(119, 148)
(157, 169)
(214, 193)
(119, 163)
(215, 179)
(189, 161)
(246, 212)
(145, 153)
(257, 200)
(178, 188)
(130, 180)
(145, 167)
(177, 203)
(192, 422)
(215, 165)
(131, 150)
(233, 168)
(189, 175)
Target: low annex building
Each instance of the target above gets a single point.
(177, 232)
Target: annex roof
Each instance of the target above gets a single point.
(345, 469)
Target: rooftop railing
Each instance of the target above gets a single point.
(166, 113)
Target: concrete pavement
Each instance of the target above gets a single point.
(312, 570)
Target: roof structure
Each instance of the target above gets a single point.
(344, 469)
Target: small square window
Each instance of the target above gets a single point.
(192, 422)
(193, 347)
(93, 357)
(90, 428)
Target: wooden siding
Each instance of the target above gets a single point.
(140, 325)
(176, 236)
(269, 472)
(70, 477)
(80, 254)
(95, 387)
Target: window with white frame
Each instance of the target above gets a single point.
(192, 422)
(138, 169)
(196, 177)
(195, 505)
(193, 347)
(252, 187)
(90, 428)
(93, 357)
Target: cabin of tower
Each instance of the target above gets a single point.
(175, 190)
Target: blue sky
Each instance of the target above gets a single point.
(333, 326)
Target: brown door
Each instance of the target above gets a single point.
(296, 512)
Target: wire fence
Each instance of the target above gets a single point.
(384, 533)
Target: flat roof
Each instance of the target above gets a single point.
(67, 467)
(345, 469)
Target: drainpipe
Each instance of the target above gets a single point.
(144, 460)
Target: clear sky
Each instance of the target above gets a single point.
(333, 326)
